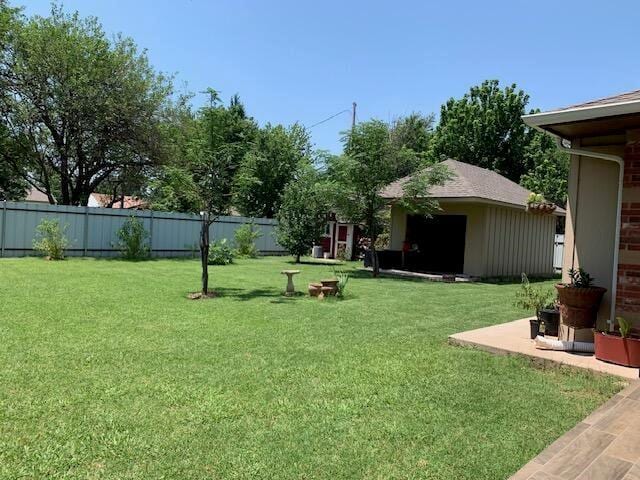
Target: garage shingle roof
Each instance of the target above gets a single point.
(633, 96)
(469, 182)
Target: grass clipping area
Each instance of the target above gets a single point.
(108, 371)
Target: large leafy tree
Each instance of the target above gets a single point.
(303, 210)
(368, 164)
(548, 168)
(485, 128)
(410, 137)
(276, 156)
(87, 108)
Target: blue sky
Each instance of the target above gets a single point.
(304, 61)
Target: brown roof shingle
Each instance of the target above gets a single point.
(632, 96)
(469, 181)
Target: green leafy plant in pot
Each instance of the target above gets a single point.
(579, 300)
(537, 300)
(621, 347)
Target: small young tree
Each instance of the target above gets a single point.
(302, 214)
(217, 143)
(367, 166)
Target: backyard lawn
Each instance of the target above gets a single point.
(108, 371)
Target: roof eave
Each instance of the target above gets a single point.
(545, 119)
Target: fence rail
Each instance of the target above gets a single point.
(92, 231)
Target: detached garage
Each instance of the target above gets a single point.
(483, 229)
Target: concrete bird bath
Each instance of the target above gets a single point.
(290, 291)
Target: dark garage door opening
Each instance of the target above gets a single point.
(440, 243)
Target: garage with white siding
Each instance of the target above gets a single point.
(483, 228)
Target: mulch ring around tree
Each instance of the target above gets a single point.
(200, 296)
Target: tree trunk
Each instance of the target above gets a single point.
(375, 266)
(298, 258)
(204, 253)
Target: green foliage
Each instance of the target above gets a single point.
(579, 278)
(276, 156)
(343, 279)
(535, 198)
(533, 298)
(410, 137)
(88, 107)
(625, 326)
(51, 239)
(245, 239)
(220, 253)
(485, 128)
(302, 215)
(547, 168)
(132, 239)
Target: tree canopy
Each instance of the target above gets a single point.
(86, 108)
(276, 155)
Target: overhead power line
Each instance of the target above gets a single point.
(329, 118)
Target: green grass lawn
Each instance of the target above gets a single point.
(108, 371)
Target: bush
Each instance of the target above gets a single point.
(245, 240)
(531, 298)
(343, 280)
(132, 239)
(51, 239)
(220, 253)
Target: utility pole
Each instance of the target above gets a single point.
(353, 115)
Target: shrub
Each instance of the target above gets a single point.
(531, 298)
(245, 241)
(132, 239)
(51, 239)
(220, 253)
(343, 279)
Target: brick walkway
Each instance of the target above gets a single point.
(604, 446)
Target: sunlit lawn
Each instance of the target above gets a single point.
(108, 371)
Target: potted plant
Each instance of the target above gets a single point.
(537, 204)
(621, 347)
(550, 316)
(536, 300)
(579, 300)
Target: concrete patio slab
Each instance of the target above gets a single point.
(512, 338)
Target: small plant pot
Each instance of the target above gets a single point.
(551, 319)
(534, 326)
(579, 306)
(315, 289)
(331, 283)
(615, 349)
(539, 208)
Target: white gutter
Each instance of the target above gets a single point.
(619, 160)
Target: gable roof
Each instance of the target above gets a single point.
(633, 96)
(469, 182)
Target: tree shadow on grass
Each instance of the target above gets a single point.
(244, 295)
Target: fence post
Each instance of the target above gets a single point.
(85, 246)
(4, 227)
(151, 234)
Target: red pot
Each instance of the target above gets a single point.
(618, 350)
(579, 306)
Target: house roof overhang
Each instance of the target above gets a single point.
(559, 212)
(588, 121)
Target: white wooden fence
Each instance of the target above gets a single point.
(92, 231)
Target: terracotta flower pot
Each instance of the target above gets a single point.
(579, 306)
(315, 289)
(332, 283)
(615, 349)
